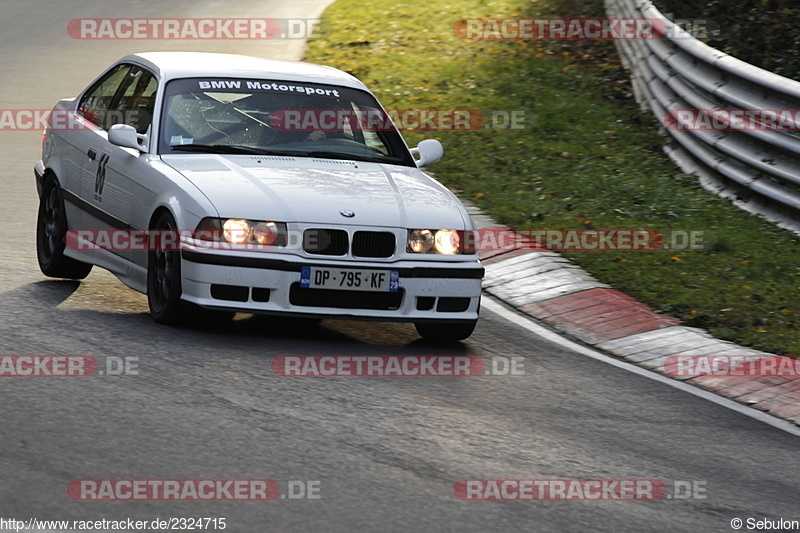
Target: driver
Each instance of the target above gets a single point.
(318, 119)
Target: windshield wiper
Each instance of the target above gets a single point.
(224, 149)
(240, 149)
(342, 155)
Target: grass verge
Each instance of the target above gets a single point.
(588, 157)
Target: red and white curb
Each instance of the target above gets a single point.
(550, 288)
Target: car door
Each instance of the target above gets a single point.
(110, 172)
(91, 111)
(74, 139)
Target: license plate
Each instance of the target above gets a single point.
(350, 279)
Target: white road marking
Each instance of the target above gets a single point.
(489, 303)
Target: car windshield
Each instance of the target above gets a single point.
(249, 116)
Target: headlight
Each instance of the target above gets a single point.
(447, 242)
(236, 231)
(266, 233)
(443, 241)
(241, 231)
(420, 241)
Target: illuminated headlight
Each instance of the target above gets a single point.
(443, 241)
(420, 241)
(236, 231)
(241, 231)
(266, 233)
(447, 242)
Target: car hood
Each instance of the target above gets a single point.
(308, 190)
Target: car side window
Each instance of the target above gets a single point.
(95, 103)
(136, 102)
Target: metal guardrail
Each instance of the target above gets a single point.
(759, 170)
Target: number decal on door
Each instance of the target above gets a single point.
(100, 181)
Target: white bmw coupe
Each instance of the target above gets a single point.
(241, 184)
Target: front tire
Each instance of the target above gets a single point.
(164, 278)
(51, 232)
(446, 331)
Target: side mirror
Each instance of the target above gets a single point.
(126, 136)
(429, 151)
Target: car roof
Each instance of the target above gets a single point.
(174, 65)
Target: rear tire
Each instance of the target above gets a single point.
(446, 331)
(51, 232)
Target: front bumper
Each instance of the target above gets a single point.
(429, 290)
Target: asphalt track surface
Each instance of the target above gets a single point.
(385, 452)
